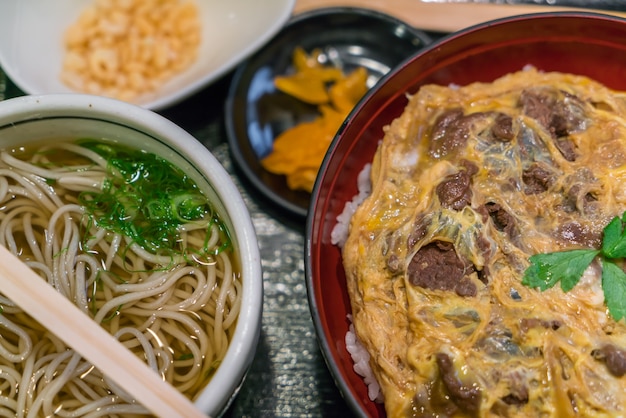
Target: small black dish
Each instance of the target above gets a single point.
(256, 112)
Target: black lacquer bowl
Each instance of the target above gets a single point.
(256, 112)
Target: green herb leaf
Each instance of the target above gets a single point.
(614, 287)
(614, 239)
(567, 267)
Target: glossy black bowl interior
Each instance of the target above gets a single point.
(256, 112)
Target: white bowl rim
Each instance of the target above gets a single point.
(225, 383)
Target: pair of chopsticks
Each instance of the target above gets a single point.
(442, 17)
(52, 310)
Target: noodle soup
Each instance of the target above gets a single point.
(136, 238)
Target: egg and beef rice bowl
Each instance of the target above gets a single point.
(467, 185)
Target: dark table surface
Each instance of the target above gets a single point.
(288, 377)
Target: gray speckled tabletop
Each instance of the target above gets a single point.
(288, 377)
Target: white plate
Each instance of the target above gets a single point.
(31, 43)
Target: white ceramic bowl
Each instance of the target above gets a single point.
(49, 117)
(31, 43)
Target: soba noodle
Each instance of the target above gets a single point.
(174, 310)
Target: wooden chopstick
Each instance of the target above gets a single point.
(442, 17)
(52, 310)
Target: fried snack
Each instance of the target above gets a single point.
(126, 48)
(467, 184)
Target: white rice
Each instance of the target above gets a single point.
(338, 236)
(361, 360)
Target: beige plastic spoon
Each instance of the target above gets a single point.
(52, 310)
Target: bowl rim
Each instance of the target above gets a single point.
(229, 107)
(317, 216)
(223, 386)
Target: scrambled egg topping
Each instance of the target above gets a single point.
(467, 184)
